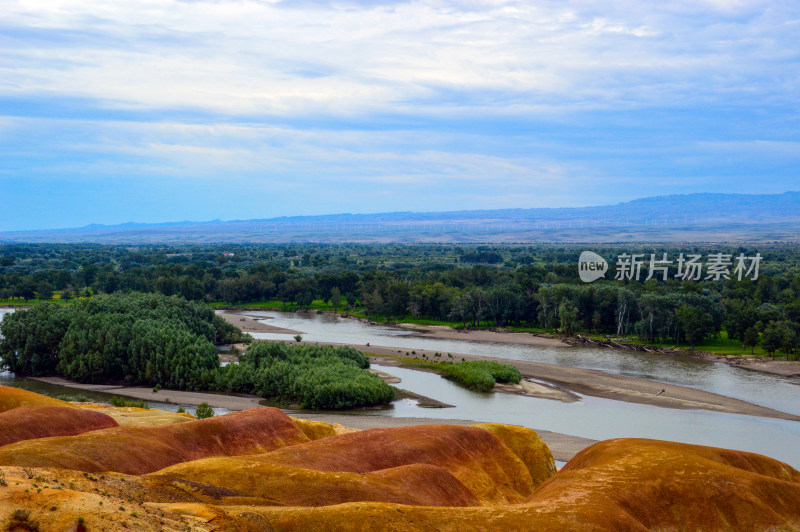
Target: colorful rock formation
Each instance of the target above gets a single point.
(261, 470)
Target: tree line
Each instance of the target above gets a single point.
(471, 286)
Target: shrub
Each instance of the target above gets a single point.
(203, 411)
(20, 520)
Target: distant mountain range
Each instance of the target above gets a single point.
(685, 217)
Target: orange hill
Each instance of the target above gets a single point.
(625, 484)
(13, 397)
(138, 450)
(427, 465)
(28, 422)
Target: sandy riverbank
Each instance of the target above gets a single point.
(248, 324)
(481, 335)
(217, 400)
(563, 382)
(563, 446)
(566, 381)
(787, 368)
(605, 385)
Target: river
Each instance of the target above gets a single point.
(773, 391)
(591, 417)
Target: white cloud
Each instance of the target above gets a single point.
(248, 57)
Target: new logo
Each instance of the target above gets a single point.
(591, 266)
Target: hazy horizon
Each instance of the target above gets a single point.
(701, 217)
(410, 212)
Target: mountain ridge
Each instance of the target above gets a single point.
(672, 217)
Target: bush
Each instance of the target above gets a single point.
(203, 411)
(480, 375)
(122, 402)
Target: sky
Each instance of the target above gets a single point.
(165, 110)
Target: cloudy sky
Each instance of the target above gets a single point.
(162, 110)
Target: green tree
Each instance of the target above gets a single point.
(26, 289)
(31, 339)
(568, 315)
(336, 297)
(789, 341)
(772, 339)
(695, 324)
(750, 338)
(44, 291)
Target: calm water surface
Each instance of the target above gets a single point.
(780, 393)
(591, 417)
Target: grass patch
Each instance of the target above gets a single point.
(478, 375)
(721, 345)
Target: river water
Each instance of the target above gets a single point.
(773, 391)
(591, 417)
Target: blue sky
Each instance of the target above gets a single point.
(163, 110)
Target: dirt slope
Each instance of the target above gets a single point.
(139, 450)
(29, 422)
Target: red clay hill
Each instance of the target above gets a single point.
(139, 450)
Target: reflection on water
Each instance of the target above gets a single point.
(780, 393)
(599, 418)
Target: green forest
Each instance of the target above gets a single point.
(481, 286)
(166, 341)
